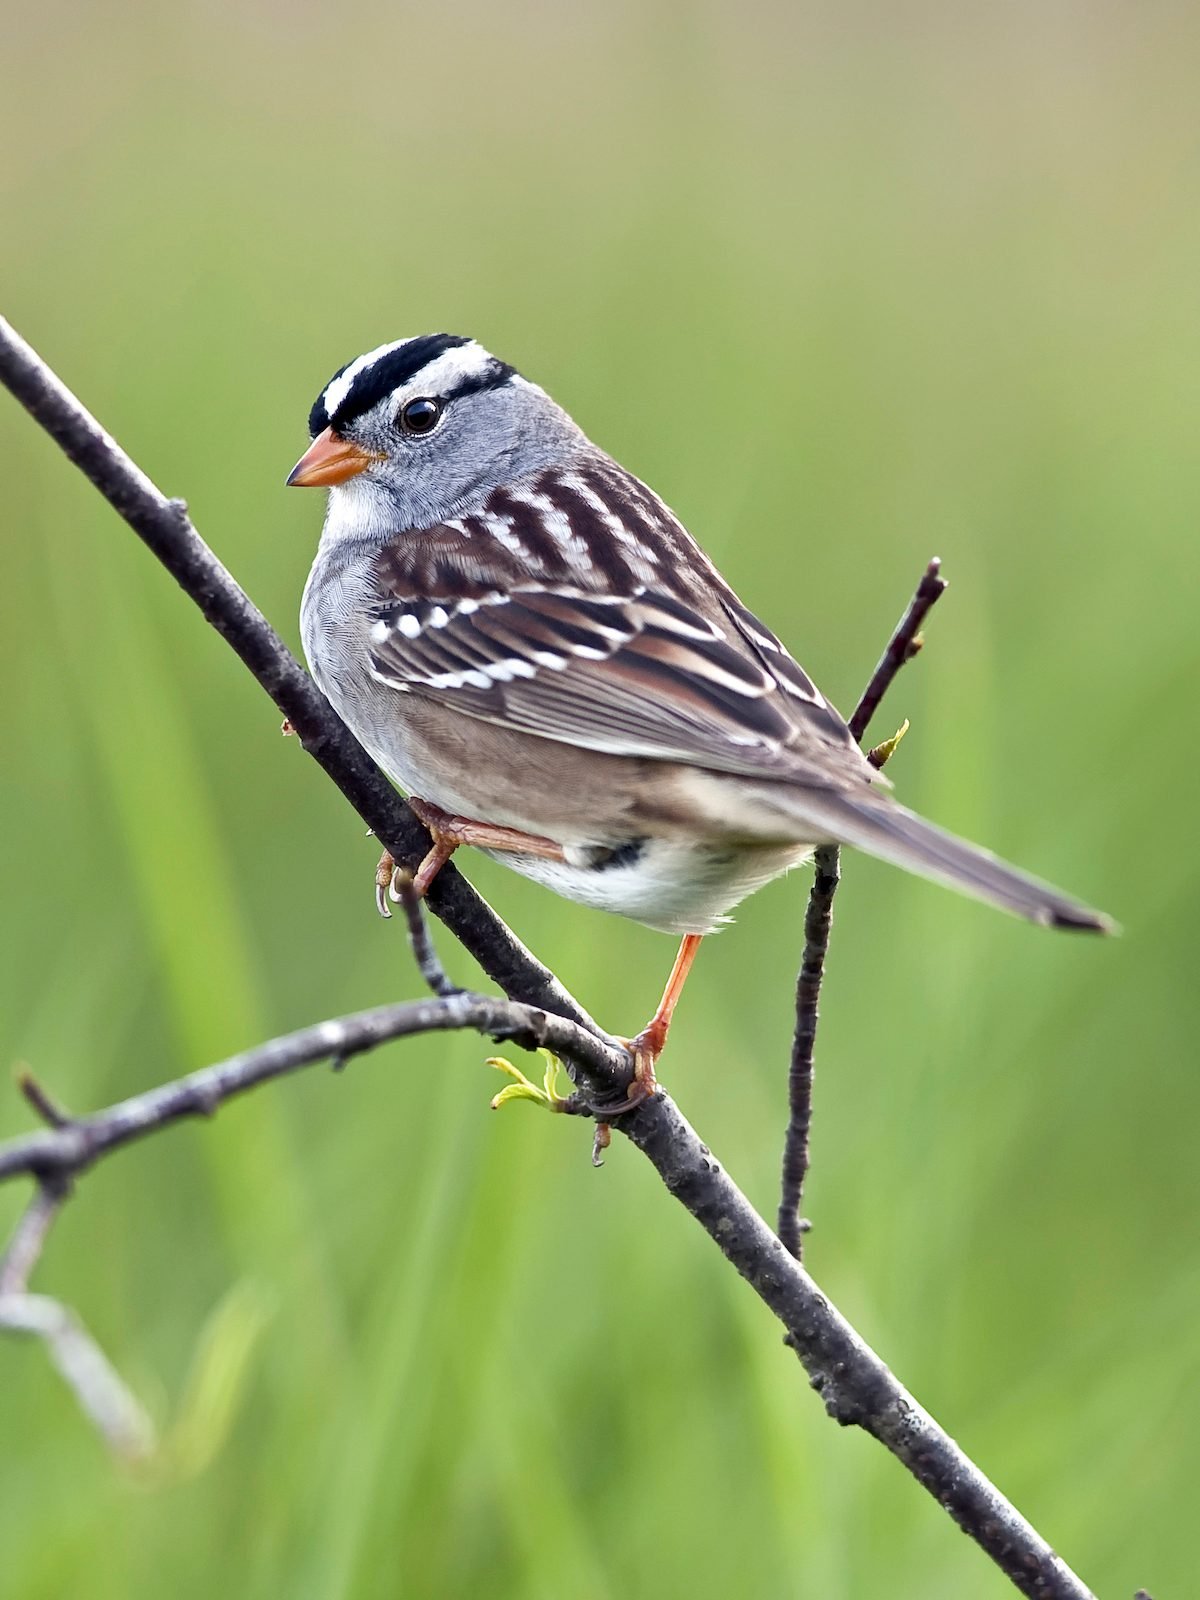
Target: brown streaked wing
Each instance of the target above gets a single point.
(628, 675)
(576, 606)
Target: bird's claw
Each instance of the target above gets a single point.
(645, 1050)
(385, 884)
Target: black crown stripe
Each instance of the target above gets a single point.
(396, 368)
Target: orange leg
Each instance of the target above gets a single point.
(449, 833)
(648, 1045)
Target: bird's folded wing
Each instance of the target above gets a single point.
(644, 674)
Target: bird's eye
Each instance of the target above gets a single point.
(420, 416)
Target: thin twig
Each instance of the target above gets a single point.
(904, 644)
(100, 1392)
(854, 1384)
(71, 1145)
(66, 1151)
(818, 919)
(818, 922)
(42, 1102)
(429, 963)
(29, 1236)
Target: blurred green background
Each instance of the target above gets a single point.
(851, 285)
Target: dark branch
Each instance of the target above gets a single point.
(164, 526)
(64, 1151)
(428, 961)
(902, 646)
(818, 921)
(854, 1384)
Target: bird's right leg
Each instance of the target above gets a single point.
(448, 833)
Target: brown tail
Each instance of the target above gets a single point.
(881, 827)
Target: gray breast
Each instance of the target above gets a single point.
(332, 619)
(339, 602)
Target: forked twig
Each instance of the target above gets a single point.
(818, 921)
(100, 1391)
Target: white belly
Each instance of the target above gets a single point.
(676, 887)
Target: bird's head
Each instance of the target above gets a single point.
(419, 430)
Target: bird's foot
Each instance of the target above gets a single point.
(647, 1046)
(385, 882)
(448, 833)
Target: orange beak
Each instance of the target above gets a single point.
(327, 460)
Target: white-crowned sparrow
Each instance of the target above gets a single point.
(530, 643)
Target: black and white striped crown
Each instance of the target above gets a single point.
(448, 365)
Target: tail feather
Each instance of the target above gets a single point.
(885, 829)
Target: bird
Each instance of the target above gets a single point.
(537, 652)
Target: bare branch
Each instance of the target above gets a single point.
(72, 1144)
(164, 526)
(103, 1395)
(43, 1103)
(818, 920)
(904, 644)
(29, 1237)
(100, 1392)
(428, 961)
(854, 1384)
(61, 1152)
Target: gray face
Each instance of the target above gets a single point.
(447, 423)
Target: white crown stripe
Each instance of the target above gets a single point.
(449, 369)
(338, 388)
(444, 372)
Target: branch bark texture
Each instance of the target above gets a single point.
(854, 1384)
(905, 643)
(164, 527)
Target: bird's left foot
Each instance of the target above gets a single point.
(449, 832)
(647, 1046)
